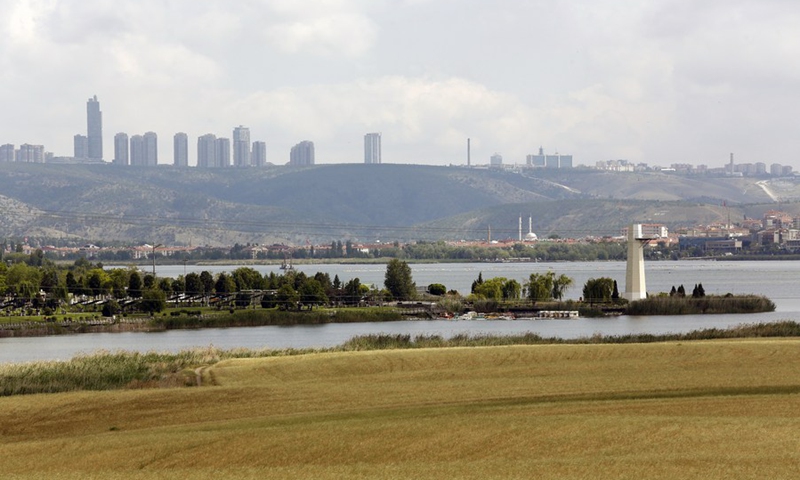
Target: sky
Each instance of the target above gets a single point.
(655, 81)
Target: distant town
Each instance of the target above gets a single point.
(214, 151)
(777, 233)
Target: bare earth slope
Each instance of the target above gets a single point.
(696, 410)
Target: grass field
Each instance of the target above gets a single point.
(705, 409)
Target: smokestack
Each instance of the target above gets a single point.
(469, 148)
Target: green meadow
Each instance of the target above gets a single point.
(687, 409)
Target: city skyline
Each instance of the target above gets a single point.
(659, 82)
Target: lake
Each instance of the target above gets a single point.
(778, 280)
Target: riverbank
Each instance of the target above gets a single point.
(109, 371)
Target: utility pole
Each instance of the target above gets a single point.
(154, 259)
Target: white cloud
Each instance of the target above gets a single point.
(651, 81)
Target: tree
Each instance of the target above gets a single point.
(165, 285)
(491, 289)
(287, 297)
(153, 300)
(437, 289)
(73, 286)
(135, 285)
(224, 284)
(511, 290)
(247, 278)
(352, 292)
(598, 290)
(560, 286)
(312, 293)
(398, 280)
(540, 286)
(98, 281)
(615, 293)
(477, 282)
(208, 282)
(193, 284)
(681, 291)
(110, 308)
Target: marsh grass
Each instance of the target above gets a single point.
(716, 304)
(261, 317)
(117, 370)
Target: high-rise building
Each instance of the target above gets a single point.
(302, 154)
(30, 153)
(80, 146)
(150, 149)
(372, 148)
(94, 123)
(223, 147)
(551, 161)
(207, 151)
(241, 146)
(496, 160)
(536, 160)
(137, 151)
(180, 148)
(7, 153)
(259, 157)
(121, 149)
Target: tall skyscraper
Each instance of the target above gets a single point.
(302, 154)
(207, 151)
(180, 148)
(80, 146)
(94, 123)
(241, 146)
(223, 147)
(372, 148)
(150, 149)
(137, 151)
(121, 149)
(259, 157)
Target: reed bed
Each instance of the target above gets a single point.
(716, 304)
(261, 317)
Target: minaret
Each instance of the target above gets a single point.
(520, 227)
(635, 285)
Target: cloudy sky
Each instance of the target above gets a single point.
(657, 81)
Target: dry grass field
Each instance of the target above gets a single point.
(704, 410)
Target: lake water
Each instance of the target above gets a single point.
(778, 280)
